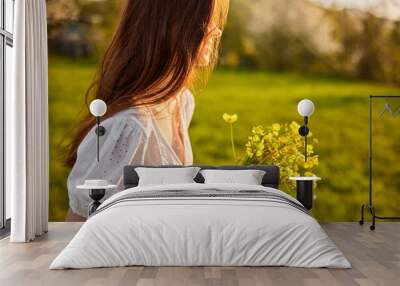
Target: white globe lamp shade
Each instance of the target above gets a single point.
(98, 107)
(305, 107)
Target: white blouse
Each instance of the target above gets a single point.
(133, 137)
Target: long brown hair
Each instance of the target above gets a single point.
(152, 56)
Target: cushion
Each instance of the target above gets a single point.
(248, 177)
(162, 176)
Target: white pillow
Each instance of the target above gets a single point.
(248, 177)
(166, 176)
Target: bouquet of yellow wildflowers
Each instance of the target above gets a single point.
(278, 144)
(282, 145)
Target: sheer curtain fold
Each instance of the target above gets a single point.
(27, 124)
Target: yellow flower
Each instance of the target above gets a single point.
(284, 139)
(276, 127)
(268, 137)
(282, 145)
(230, 118)
(258, 130)
(294, 126)
(314, 160)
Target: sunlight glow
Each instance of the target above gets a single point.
(383, 8)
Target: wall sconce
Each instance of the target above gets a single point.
(305, 185)
(305, 109)
(98, 108)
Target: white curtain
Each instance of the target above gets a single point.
(27, 124)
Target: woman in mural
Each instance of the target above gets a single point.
(160, 48)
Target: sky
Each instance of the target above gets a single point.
(383, 8)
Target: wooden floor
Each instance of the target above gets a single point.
(375, 257)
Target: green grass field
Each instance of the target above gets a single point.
(340, 122)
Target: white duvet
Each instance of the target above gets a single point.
(200, 231)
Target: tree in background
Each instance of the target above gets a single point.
(237, 45)
(296, 35)
(369, 46)
(279, 35)
(345, 32)
(62, 10)
(392, 67)
(279, 49)
(78, 28)
(372, 43)
(288, 34)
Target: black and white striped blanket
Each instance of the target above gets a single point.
(205, 194)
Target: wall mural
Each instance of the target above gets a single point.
(242, 112)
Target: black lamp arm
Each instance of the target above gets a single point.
(100, 131)
(303, 131)
(305, 121)
(305, 138)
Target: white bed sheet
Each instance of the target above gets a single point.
(200, 232)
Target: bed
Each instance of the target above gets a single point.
(198, 224)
